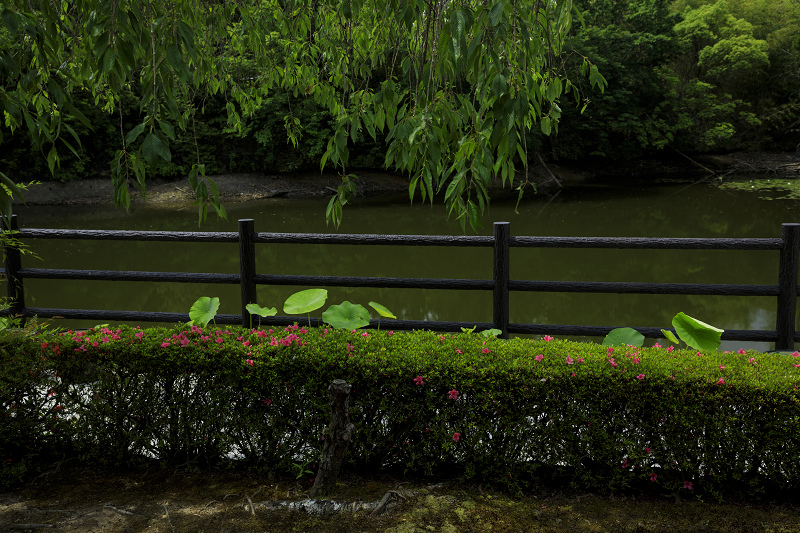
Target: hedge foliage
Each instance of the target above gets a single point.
(512, 412)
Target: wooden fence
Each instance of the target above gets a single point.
(785, 291)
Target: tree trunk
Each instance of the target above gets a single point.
(337, 438)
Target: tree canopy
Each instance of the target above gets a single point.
(451, 86)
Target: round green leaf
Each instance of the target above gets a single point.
(623, 337)
(256, 309)
(695, 333)
(305, 301)
(381, 310)
(346, 316)
(204, 310)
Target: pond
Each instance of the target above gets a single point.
(697, 210)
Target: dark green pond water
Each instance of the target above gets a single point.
(657, 211)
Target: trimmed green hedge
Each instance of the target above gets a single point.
(510, 412)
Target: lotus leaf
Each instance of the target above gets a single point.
(346, 316)
(697, 334)
(623, 337)
(305, 301)
(204, 310)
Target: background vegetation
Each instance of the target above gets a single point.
(689, 75)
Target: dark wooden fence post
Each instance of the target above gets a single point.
(502, 231)
(13, 262)
(787, 281)
(247, 267)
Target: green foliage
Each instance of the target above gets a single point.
(423, 402)
(695, 333)
(692, 75)
(263, 312)
(305, 301)
(203, 310)
(382, 312)
(346, 316)
(448, 100)
(628, 41)
(692, 332)
(623, 337)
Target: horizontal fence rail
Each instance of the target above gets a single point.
(785, 291)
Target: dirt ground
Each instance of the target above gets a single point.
(232, 188)
(82, 500)
(243, 187)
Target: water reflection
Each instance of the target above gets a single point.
(662, 211)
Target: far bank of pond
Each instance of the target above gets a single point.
(684, 210)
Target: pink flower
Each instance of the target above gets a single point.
(611, 360)
(580, 359)
(721, 367)
(699, 354)
(139, 335)
(624, 464)
(741, 351)
(609, 351)
(219, 340)
(796, 366)
(456, 436)
(164, 344)
(350, 348)
(365, 334)
(795, 354)
(648, 451)
(453, 394)
(640, 376)
(246, 344)
(670, 348)
(570, 361)
(267, 401)
(249, 362)
(390, 333)
(539, 357)
(721, 381)
(573, 374)
(653, 476)
(459, 352)
(441, 338)
(419, 381)
(547, 338)
(752, 361)
(687, 485)
(656, 345)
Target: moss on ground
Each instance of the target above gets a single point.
(87, 501)
(768, 188)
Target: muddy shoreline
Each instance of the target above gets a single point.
(244, 187)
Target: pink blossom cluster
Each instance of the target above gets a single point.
(108, 335)
(286, 341)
